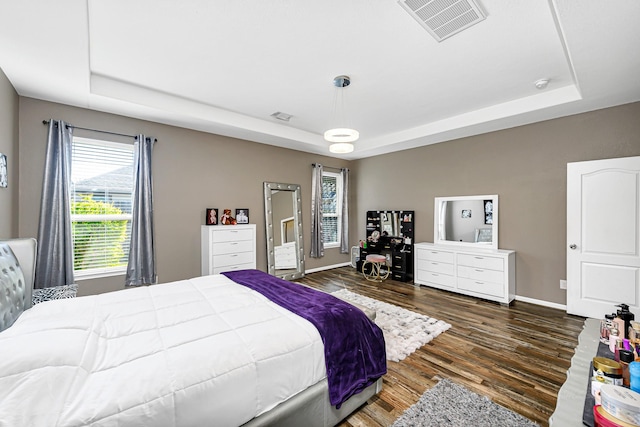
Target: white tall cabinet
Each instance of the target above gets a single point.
(480, 273)
(228, 248)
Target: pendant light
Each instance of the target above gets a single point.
(341, 138)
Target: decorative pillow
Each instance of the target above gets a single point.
(55, 292)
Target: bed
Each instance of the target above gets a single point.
(152, 355)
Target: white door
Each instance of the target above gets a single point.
(603, 236)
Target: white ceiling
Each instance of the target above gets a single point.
(224, 66)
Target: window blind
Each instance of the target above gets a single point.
(330, 211)
(101, 205)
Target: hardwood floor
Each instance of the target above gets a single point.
(517, 355)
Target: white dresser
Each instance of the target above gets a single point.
(228, 247)
(480, 273)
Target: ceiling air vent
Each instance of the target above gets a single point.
(444, 18)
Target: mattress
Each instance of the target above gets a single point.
(152, 356)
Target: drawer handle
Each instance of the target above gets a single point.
(478, 257)
(434, 263)
(479, 283)
(233, 255)
(233, 243)
(434, 274)
(479, 271)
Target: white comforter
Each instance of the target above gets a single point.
(198, 352)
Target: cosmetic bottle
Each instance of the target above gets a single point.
(605, 327)
(613, 339)
(634, 331)
(619, 324)
(626, 357)
(626, 316)
(634, 376)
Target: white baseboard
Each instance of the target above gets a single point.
(327, 267)
(541, 302)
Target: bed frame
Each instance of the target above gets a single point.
(17, 272)
(310, 408)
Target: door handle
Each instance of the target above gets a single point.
(573, 246)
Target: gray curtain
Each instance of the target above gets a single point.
(54, 260)
(344, 235)
(141, 269)
(317, 240)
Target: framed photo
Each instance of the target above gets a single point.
(466, 213)
(212, 216)
(242, 216)
(3, 171)
(488, 211)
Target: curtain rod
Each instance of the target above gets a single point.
(328, 167)
(46, 122)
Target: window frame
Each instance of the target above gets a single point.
(100, 272)
(338, 214)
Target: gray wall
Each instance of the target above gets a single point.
(192, 171)
(525, 166)
(9, 147)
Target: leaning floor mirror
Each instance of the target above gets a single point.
(283, 220)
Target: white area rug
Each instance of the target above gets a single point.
(404, 331)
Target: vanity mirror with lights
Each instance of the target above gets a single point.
(464, 256)
(283, 221)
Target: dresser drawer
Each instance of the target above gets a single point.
(481, 261)
(222, 269)
(229, 234)
(219, 248)
(434, 255)
(399, 260)
(435, 267)
(437, 278)
(481, 274)
(232, 259)
(399, 276)
(486, 288)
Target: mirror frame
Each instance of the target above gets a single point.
(493, 245)
(297, 218)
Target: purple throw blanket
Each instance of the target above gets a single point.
(353, 345)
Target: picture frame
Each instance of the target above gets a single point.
(466, 213)
(488, 212)
(211, 217)
(4, 180)
(226, 218)
(242, 216)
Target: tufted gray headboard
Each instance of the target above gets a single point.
(17, 269)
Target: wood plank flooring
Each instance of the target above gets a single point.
(517, 355)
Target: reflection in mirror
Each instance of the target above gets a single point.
(466, 220)
(283, 220)
(390, 224)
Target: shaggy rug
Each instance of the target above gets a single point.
(451, 405)
(404, 331)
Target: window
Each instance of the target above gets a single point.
(331, 208)
(101, 206)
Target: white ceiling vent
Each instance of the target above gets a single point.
(444, 18)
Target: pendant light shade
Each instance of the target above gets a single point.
(341, 137)
(341, 147)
